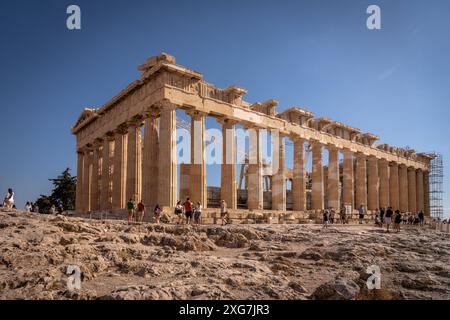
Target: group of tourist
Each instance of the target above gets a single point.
(31, 207)
(187, 212)
(383, 216)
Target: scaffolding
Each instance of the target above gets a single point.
(436, 187)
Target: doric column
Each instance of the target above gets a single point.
(150, 159)
(403, 187)
(255, 198)
(197, 174)
(228, 190)
(317, 176)
(333, 177)
(372, 181)
(394, 186)
(79, 192)
(95, 192)
(383, 171)
(419, 191)
(120, 165)
(87, 170)
(279, 182)
(134, 161)
(426, 191)
(167, 161)
(412, 190)
(348, 179)
(361, 180)
(299, 175)
(105, 190)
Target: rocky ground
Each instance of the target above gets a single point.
(131, 261)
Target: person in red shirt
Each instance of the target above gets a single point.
(188, 210)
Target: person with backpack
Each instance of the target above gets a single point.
(326, 218)
(179, 211)
(388, 217)
(224, 212)
(141, 211)
(157, 213)
(130, 208)
(397, 220)
(188, 210)
(197, 213)
(421, 218)
(362, 212)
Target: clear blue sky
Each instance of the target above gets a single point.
(318, 54)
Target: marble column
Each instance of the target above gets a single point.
(87, 170)
(383, 170)
(403, 187)
(197, 174)
(299, 175)
(333, 177)
(348, 179)
(120, 165)
(372, 181)
(394, 186)
(419, 191)
(426, 193)
(317, 177)
(150, 160)
(134, 162)
(105, 190)
(167, 161)
(361, 180)
(79, 190)
(228, 190)
(412, 190)
(95, 188)
(255, 200)
(279, 182)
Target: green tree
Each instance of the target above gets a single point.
(63, 193)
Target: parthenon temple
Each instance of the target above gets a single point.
(118, 160)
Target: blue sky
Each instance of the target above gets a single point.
(317, 54)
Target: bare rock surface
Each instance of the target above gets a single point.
(119, 260)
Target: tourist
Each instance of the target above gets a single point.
(141, 211)
(188, 210)
(388, 217)
(9, 199)
(157, 213)
(179, 211)
(397, 220)
(421, 218)
(378, 220)
(326, 218)
(27, 207)
(382, 212)
(60, 209)
(343, 216)
(224, 212)
(332, 213)
(197, 213)
(130, 208)
(362, 212)
(52, 209)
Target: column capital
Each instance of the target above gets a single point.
(196, 114)
(410, 168)
(296, 138)
(152, 112)
(165, 105)
(226, 121)
(332, 147)
(121, 129)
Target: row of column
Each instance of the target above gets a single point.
(116, 168)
